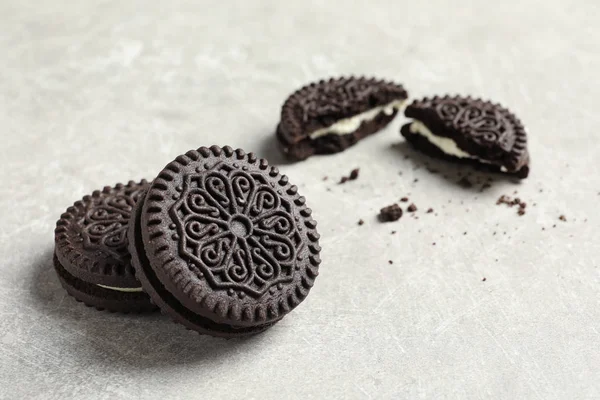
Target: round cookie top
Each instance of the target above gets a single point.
(90, 237)
(321, 104)
(230, 237)
(477, 126)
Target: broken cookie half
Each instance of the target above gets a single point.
(467, 129)
(329, 116)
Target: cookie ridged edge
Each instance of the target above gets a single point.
(216, 308)
(67, 252)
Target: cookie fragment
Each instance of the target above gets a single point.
(91, 256)
(327, 117)
(467, 129)
(224, 244)
(390, 213)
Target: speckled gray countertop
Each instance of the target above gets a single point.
(97, 92)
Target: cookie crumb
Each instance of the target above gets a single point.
(484, 279)
(353, 176)
(430, 210)
(433, 243)
(325, 178)
(393, 232)
(404, 199)
(411, 208)
(360, 222)
(563, 218)
(504, 199)
(390, 262)
(390, 213)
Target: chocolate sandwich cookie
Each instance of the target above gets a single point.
(91, 256)
(224, 244)
(330, 116)
(467, 129)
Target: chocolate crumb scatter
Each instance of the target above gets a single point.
(390, 213)
(430, 210)
(412, 208)
(360, 222)
(325, 178)
(563, 218)
(504, 199)
(484, 278)
(393, 232)
(390, 262)
(554, 226)
(404, 199)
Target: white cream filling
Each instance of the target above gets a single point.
(349, 125)
(121, 289)
(445, 144)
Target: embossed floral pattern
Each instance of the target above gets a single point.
(236, 230)
(484, 122)
(104, 224)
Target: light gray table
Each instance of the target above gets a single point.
(93, 93)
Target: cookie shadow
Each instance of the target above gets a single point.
(132, 340)
(468, 176)
(269, 149)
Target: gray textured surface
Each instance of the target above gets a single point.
(92, 93)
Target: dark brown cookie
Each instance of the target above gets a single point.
(329, 116)
(467, 129)
(224, 244)
(91, 256)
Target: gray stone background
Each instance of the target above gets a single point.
(97, 92)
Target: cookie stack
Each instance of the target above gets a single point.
(220, 241)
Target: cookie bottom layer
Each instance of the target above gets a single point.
(102, 299)
(422, 144)
(166, 301)
(333, 143)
